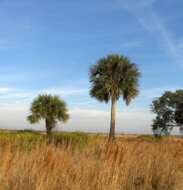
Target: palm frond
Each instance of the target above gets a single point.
(114, 75)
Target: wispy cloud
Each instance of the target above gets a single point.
(65, 91)
(145, 14)
(14, 97)
(5, 90)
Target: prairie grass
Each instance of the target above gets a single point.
(138, 163)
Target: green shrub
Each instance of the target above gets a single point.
(73, 138)
(26, 139)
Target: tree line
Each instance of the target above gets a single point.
(111, 78)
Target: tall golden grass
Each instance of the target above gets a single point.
(127, 164)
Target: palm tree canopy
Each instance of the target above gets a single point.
(48, 107)
(114, 76)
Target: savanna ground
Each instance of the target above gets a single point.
(78, 161)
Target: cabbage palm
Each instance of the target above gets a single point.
(51, 109)
(111, 77)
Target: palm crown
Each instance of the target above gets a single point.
(48, 107)
(112, 77)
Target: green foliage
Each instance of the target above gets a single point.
(26, 140)
(73, 138)
(22, 139)
(114, 75)
(169, 112)
(179, 114)
(50, 108)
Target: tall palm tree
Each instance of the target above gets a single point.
(111, 77)
(51, 109)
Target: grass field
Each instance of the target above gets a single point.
(78, 161)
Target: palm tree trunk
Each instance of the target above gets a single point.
(113, 118)
(48, 130)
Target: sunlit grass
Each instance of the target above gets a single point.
(28, 162)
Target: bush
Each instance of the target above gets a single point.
(74, 138)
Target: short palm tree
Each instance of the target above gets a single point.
(51, 109)
(112, 77)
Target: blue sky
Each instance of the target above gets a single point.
(48, 46)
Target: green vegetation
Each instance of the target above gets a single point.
(169, 112)
(73, 138)
(27, 139)
(51, 109)
(22, 139)
(112, 77)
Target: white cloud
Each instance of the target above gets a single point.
(10, 96)
(129, 121)
(5, 90)
(88, 120)
(65, 91)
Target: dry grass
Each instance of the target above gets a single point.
(128, 164)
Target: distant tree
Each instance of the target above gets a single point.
(111, 77)
(169, 112)
(179, 117)
(51, 109)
